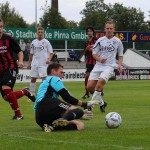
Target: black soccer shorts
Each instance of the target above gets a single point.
(89, 67)
(8, 78)
(49, 110)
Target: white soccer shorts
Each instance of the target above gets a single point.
(38, 72)
(96, 75)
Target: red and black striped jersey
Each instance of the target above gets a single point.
(88, 54)
(8, 45)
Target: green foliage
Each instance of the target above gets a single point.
(52, 19)
(96, 12)
(10, 16)
(129, 98)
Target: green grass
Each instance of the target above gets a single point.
(131, 99)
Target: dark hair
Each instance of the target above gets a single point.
(91, 28)
(53, 66)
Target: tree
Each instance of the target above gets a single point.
(52, 19)
(11, 17)
(72, 25)
(127, 18)
(96, 12)
(92, 19)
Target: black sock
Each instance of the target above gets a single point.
(73, 114)
(70, 126)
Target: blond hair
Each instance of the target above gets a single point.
(110, 22)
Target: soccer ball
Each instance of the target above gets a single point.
(113, 120)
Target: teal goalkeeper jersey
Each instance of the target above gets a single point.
(49, 89)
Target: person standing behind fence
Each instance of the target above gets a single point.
(28, 47)
(23, 48)
(40, 56)
(55, 58)
(89, 60)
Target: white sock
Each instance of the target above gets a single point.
(98, 97)
(32, 88)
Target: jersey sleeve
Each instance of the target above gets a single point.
(49, 47)
(14, 45)
(32, 48)
(57, 84)
(96, 47)
(120, 48)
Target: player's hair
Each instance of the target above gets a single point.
(110, 22)
(40, 28)
(53, 66)
(91, 28)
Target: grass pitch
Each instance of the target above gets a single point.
(131, 99)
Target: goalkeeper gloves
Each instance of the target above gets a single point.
(87, 115)
(88, 105)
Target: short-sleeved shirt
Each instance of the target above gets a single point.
(40, 50)
(8, 45)
(107, 48)
(49, 89)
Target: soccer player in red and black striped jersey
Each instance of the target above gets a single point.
(8, 72)
(90, 61)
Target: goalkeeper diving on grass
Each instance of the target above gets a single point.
(53, 114)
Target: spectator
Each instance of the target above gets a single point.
(55, 58)
(73, 55)
(23, 48)
(28, 47)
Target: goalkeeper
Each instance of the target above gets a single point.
(54, 114)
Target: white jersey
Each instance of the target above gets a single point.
(107, 48)
(41, 51)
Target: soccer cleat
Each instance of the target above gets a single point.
(102, 108)
(17, 117)
(29, 95)
(60, 122)
(47, 128)
(85, 96)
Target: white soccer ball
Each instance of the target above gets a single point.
(113, 120)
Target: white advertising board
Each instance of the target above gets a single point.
(69, 75)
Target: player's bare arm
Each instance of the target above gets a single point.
(20, 59)
(29, 61)
(120, 60)
(98, 58)
(49, 58)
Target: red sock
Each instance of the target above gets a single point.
(19, 94)
(12, 99)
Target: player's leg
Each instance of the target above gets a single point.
(34, 75)
(73, 113)
(8, 79)
(70, 125)
(92, 87)
(89, 68)
(86, 95)
(43, 72)
(103, 79)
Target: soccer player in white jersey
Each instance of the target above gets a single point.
(40, 56)
(105, 50)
